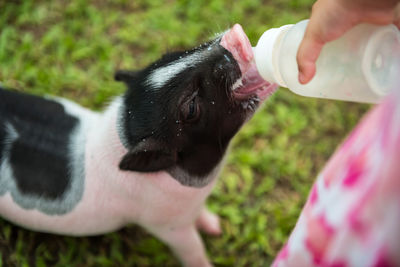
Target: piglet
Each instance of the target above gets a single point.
(151, 158)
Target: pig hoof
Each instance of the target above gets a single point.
(209, 223)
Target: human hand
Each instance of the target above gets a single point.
(330, 19)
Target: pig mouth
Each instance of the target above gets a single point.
(251, 83)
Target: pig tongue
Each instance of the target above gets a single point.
(236, 42)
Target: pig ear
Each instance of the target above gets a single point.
(147, 161)
(148, 156)
(125, 75)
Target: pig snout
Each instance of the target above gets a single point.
(250, 83)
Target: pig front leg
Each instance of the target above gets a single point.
(187, 245)
(208, 222)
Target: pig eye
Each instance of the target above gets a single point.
(190, 110)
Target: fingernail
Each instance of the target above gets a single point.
(302, 78)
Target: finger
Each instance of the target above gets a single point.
(312, 42)
(396, 20)
(307, 55)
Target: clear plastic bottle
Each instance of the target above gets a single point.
(361, 66)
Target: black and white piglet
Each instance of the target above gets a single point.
(151, 158)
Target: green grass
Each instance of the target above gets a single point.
(72, 48)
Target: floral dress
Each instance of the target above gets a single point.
(352, 215)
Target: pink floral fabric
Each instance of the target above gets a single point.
(352, 215)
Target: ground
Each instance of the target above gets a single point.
(72, 48)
